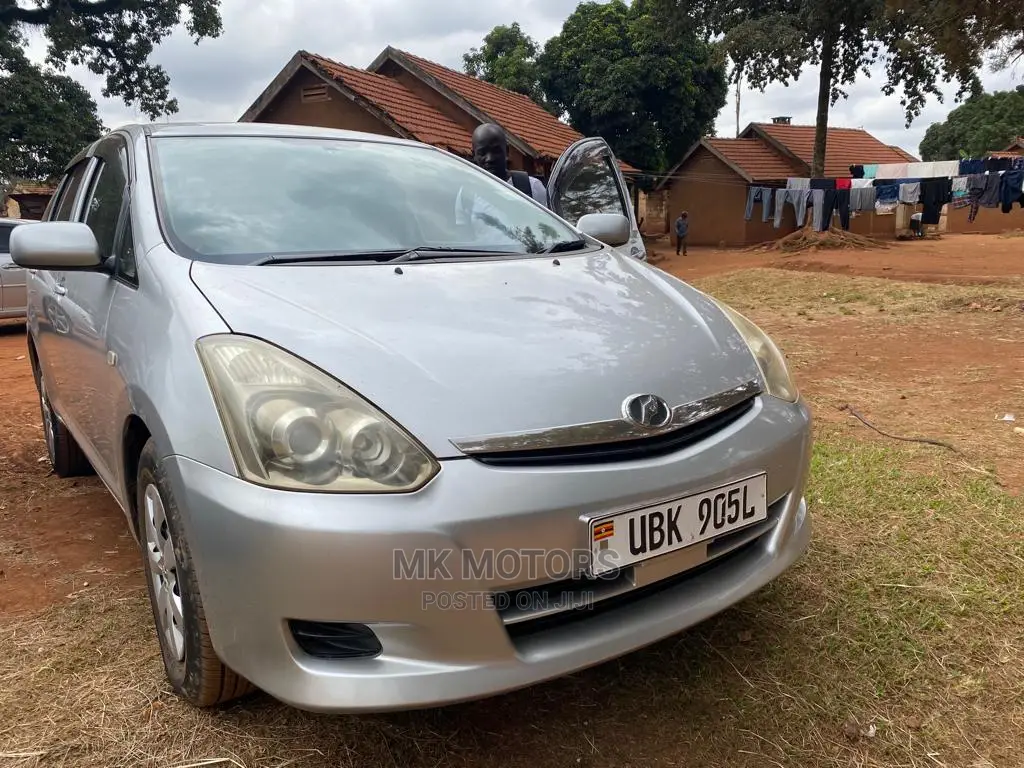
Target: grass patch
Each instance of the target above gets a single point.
(896, 641)
(788, 294)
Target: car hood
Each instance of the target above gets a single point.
(455, 350)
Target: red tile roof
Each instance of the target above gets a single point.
(906, 155)
(32, 188)
(403, 106)
(755, 158)
(846, 146)
(517, 113)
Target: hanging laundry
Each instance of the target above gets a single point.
(762, 194)
(887, 198)
(961, 191)
(968, 167)
(818, 209)
(844, 183)
(797, 198)
(993, 164)
(795, 183)
(948, 168)
(984, 191)
(910, 192)
(892, 171)
(870, 170)
(935, 193)
(1012, 190)
(1017, 164)
(857, 171)
(836, 200)
(921, 170)
(823, 183)
(863, 198)
(861, 183)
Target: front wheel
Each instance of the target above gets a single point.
(192, 666)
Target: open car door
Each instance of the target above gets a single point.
(587, 179)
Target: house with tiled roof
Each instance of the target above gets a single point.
(27, 200)
(712, 180)
(407, 96)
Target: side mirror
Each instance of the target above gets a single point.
(59, 245)
(610, 228)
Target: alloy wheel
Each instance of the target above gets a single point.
(163, 567)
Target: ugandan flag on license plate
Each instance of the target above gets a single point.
(604, 530)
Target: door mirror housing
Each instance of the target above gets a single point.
(57, 245)
(610, 228)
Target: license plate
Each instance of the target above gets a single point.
(631, 537)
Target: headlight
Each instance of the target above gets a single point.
(291, 426)
(769, 359)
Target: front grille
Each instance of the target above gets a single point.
(525, 612)
(622, 450)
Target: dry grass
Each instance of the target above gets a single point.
(896, 642)
(782, 293)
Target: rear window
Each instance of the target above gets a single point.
(237, 198)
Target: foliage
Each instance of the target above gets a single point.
(921, 44)
(113, 38)
(47, 118)
(988, 122)
(508, 57)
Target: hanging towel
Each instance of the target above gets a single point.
(861, 183)
(892, 171)
(796, 183)
(948, 168)
(910, 192)
(921, 170)
(870, 170)
(863, 198)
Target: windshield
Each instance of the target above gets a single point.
(238, 198)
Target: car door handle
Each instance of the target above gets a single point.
(60, 290)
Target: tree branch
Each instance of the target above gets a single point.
(47, 13)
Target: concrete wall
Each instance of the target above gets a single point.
(990, 221)
(337, 112)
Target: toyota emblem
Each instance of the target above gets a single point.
(647, 411)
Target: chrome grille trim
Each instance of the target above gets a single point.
(610, 431)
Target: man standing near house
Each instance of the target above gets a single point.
(682, 230)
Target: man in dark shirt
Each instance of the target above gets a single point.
(682, 230)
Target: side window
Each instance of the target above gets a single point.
(5, 238)
(125, 264)
(103, 211)
(69, 192)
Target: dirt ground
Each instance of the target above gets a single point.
(923, 340)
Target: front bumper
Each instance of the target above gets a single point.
(264, 557)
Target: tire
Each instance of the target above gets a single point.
(192, 666)
(65, 456)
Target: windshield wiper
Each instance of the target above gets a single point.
(382, 256)
(565, 245)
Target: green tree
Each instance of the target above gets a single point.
(988, 122)
(921, 44)
(508, 57)
(47, 118)
(113, 38)
(616, 73)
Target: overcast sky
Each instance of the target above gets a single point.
(218, 79)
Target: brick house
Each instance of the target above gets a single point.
(404, 95)
(27, 200)
(711, 180)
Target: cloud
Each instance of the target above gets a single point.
(218, 79)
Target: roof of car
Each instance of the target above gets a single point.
(258, 129)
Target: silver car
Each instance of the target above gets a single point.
(12, 277)
(381, 456)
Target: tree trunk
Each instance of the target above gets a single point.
(828, 53)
